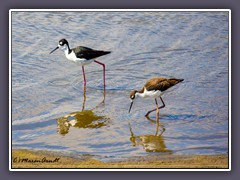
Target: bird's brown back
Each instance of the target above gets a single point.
(160, 83)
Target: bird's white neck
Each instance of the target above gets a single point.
(139, 94)
(65, 49)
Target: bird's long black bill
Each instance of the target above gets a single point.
(130, 107)
(54, 50)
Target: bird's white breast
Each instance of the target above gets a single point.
(153, 94)
(72, 57)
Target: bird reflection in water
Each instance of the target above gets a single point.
(157, 124)
(150, 143)
(81, 119)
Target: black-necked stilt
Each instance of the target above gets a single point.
(154, 87)
(82, 55)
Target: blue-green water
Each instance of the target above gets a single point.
(45, 88)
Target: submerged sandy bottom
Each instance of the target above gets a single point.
(47, 159)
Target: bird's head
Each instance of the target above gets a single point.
(133, 95)
(62, 44)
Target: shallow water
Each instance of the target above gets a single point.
(47, 89)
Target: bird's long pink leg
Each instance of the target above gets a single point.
(103, 72)
(156, 108)
(84, 78)
(157, 117)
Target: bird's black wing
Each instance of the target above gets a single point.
(88, 53)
